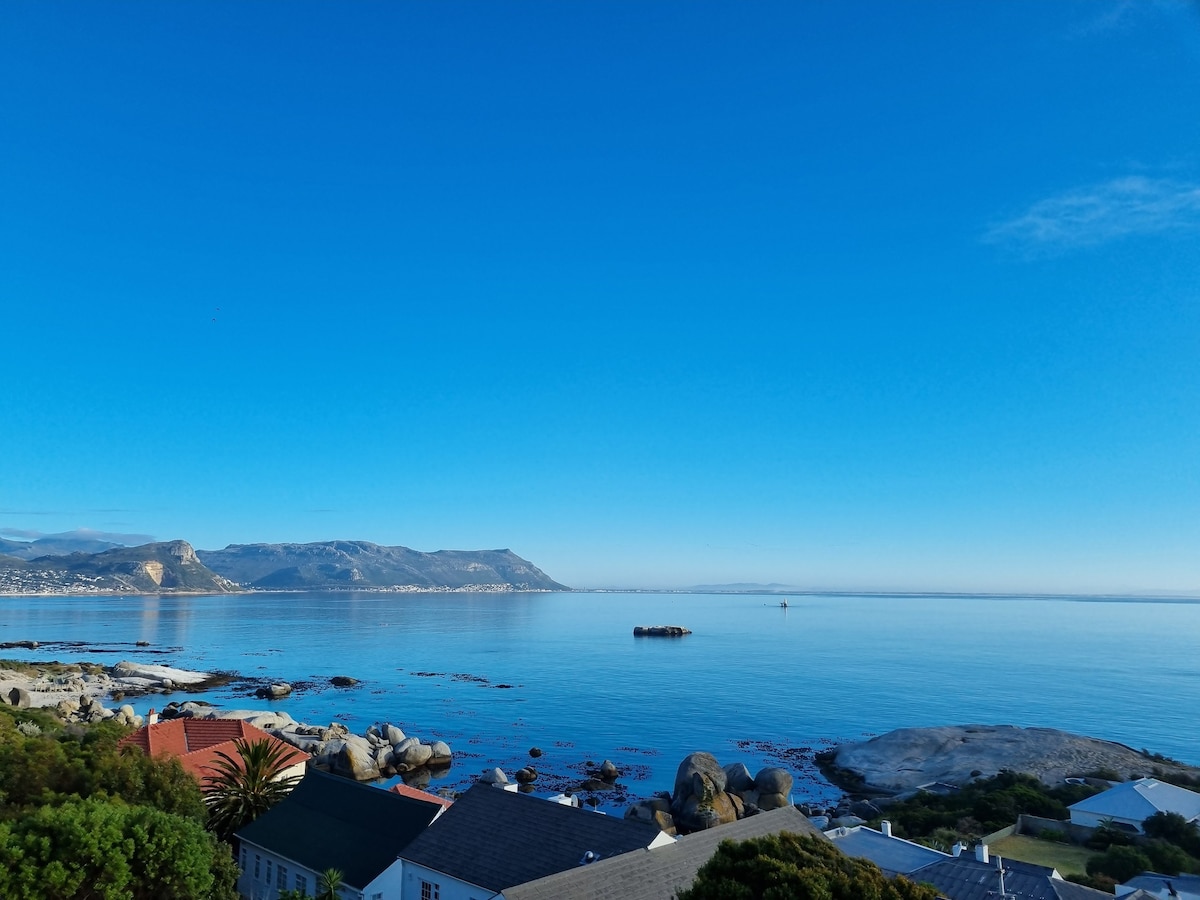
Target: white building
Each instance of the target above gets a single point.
(493, 839)
(329, 822)
(1129, 804)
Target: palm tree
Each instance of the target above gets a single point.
(244, 788)
(328, 884)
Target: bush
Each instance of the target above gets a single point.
(795, 866)
(1119, 863)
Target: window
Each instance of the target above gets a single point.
(257, 866)
(378, 896)
(430, 891)
(268, 871)
(245, 856)
(281, 878)
(301, 883)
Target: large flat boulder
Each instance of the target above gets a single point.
(907, 758)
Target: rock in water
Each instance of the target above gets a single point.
(738, 778)
(773, 780)
(699, 800)
(353, 759)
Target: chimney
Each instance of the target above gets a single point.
(957, 849)
(885, 828)
(152, 718)
(981, 853)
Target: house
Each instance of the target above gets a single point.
(659, 873)
(196, 742)
(1162, 887)
(1130, 803)
(894, 855)
(330, 822)
(490, 840)
(958, 875)
(981, 876)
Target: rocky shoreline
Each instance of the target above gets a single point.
(704, 793)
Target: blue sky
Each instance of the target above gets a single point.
(843, 296)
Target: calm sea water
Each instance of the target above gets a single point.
(752, 682)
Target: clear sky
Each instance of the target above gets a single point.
(837, 295)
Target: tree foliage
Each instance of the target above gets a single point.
(795, 867)
(79, 819)
(57, 765)
(329, 883)
(108, 850)
(1119, 862)
(1175, 829)
(243, 788)
(982, 806)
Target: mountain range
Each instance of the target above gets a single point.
(60, 566)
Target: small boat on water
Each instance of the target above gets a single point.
(783, 603)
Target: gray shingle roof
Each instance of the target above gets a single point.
(965, 878)
(332, 822)
(894, 855)
(495, 838)
(657, 874)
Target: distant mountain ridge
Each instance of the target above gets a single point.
(168, 566)
(54, 567)
(333, 565)
(744, 587)
(54, 545)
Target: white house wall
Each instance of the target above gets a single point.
(1095, 820)
(388, 886)
(448, 888)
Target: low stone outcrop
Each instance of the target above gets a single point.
(381, 752)
(660, 631)
(902, 760)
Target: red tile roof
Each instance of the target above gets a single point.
(195, 742)
(405, 791)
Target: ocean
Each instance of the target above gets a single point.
(497, 674)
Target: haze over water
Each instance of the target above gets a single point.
(828, 668)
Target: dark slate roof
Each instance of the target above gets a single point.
(1069, 890)
(965, 878)
(333, 822)
(495, 838)
(661, 873)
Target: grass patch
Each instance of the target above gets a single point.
(1067, 858)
